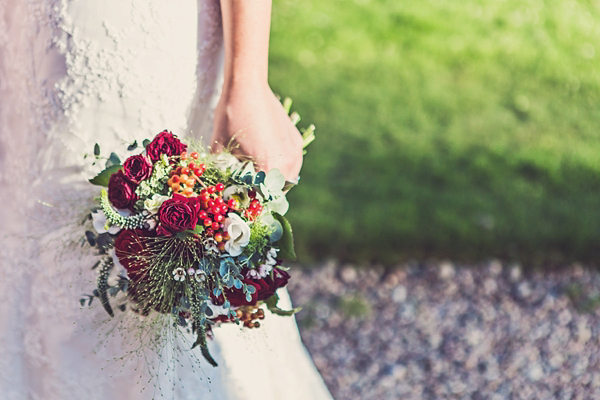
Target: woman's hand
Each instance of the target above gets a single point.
(251, 121)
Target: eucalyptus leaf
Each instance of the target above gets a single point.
(259, 178)
(238, 284)
(286, 243)
(146, 142)
(82, 302)
(96, 150)
(113, 159)
(103, 177)
(132, 146)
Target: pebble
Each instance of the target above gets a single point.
(399, 294)
(478, 332)
(447, 271)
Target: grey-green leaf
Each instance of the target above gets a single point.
(113, 160)
(96, 150)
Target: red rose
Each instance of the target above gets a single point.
(137, 168)
(237, 297)
(130, 247)
(269, 285)
(178, 214)
(121, 191)
(164, 143)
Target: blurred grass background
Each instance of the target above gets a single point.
(445, 129)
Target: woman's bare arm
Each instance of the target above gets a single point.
(248, 111)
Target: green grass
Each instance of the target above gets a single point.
(452, 129)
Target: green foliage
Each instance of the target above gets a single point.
(103, 177)
(448, 129)
(271, 303)
(259, 234)
(354, 306)
(286, 243)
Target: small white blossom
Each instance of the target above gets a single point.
(179, 274)
(271, 257)
(191, 271)
(200, 276)
(210, 246)
(252, 274)
(264, 270)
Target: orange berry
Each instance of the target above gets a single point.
(175, 178)
(175, 187)
(190, 182)
(184, 156)
(185, 170)
(194, 155)
(221, 246)
(218, 237)
(226, 236)
(170, 181)
(188, 191)
(184, 177)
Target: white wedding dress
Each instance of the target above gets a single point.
(74, 73)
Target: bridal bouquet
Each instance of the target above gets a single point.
(194, 236)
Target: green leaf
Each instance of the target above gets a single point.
(287, 105)
(286, 243)
(113, 160)
(308, 135)
(146, 142)
(132, 146)
(96, 150)
(103, 177)
(271, 303)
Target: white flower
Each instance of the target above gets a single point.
(272, 188)
(179, 274)
(154, 203)
(101, 224)
(239, 232)
(200, 276)
(191, 271)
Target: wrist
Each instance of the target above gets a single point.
(242, 85)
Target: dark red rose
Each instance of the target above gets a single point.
(130, 247)
(269, 285)
(237, 297)
(178, 214)
(121, 191)
(137, 168)
(165, 143)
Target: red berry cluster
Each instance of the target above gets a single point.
(213, 211)
(254, 208)
(183, 179)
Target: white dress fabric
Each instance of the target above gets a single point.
(74, 73)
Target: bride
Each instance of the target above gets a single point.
(78, 72)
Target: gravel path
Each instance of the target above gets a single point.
(448, 332)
